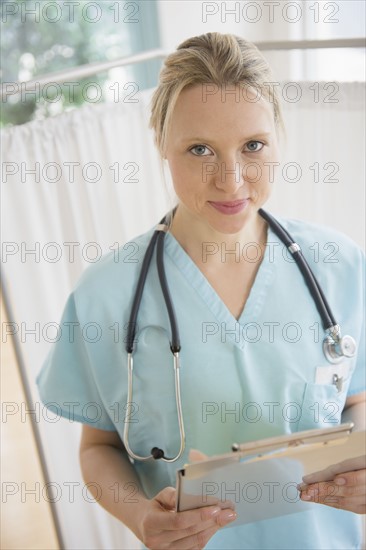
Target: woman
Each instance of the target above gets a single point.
(247, 321)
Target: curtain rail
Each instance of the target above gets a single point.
(83, 71)
(312, 44)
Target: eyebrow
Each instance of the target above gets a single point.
(203, 140)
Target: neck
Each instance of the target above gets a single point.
(206, 245)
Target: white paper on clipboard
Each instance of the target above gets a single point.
(261, 478)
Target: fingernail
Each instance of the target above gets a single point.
(213, 512)
(307, 479)
(340, 481)
(304, 496)
(228, 515)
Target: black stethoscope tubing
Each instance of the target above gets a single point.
(316, 292)
(158, 237)
(334, 346)
(328, 319)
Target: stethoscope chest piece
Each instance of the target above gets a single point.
(337, 349)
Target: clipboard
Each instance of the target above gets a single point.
(260, 478)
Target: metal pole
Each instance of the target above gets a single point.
(312, 44)
(83, 71)
(30, 404)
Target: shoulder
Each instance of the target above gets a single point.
(115, 272)
(324, 244)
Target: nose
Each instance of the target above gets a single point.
(229, 176)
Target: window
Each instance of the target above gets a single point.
(319, 20)
(40, 38)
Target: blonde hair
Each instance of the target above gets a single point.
(211, 58)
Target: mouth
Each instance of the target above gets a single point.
(229, 207)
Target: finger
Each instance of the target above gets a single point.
(167, 498)
(165, 539)
(196, 541)
(196, 456)
(325, 493)
(168, 520)
(200, 538)
(329, 473)
(332, 488)
(196, 536)
(351, 479)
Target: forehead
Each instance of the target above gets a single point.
(222, 108)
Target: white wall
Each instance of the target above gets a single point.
(260, 21)
(181, 19)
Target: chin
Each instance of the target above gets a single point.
(231, 224)
(228, 226)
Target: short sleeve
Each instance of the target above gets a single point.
(66, 383)
(358, 380)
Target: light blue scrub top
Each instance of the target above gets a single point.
(240, 380)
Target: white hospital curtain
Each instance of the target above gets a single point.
(322, 173)
(95, 184)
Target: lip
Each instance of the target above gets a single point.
(230, 207)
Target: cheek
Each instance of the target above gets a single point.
(254, 172)
(176, 169)
(261, 171)
(186, 177)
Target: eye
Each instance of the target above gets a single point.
(253, 146)
(200, 149)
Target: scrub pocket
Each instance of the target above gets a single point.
(322, 406)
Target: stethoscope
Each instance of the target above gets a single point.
(335, 347)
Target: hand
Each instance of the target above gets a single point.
(163, 528)
(196, 456)
(341, 485)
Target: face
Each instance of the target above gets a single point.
(217, 147)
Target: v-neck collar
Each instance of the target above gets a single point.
(198, 281)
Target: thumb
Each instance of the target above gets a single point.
(328, 474)
(167, 498)
(196, 456)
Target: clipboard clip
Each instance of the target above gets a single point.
(294, 439)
